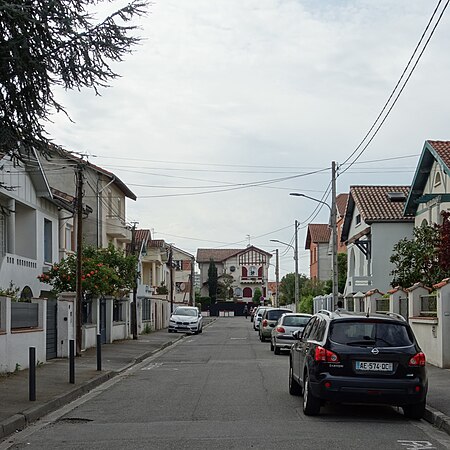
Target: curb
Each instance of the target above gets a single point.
(19, 421)
(437, 419)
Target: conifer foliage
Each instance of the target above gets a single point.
(49, 43)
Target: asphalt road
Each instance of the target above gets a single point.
(223, 389)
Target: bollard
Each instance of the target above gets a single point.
(71, 361)
(99, 352)
(32, 374)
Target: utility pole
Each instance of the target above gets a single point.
(297, 290)
(133, 304)
(171, 277)
(79, 287)
(277, 277)
(334, 265)
(192, 283)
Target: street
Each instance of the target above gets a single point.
(222, 389)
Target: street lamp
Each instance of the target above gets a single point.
(334, 264)
(296, 289)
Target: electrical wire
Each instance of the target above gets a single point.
(395, 88)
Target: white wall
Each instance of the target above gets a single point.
(384, 237)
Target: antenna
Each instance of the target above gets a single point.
(248, 237)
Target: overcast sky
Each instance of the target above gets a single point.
(222, 93)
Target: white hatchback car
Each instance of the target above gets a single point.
(258, 316)
(187, 319)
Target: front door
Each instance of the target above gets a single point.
(51, 335)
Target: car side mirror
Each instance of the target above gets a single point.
(297, 334)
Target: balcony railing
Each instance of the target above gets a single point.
(359, 284)
(249, 280)
(117, 228)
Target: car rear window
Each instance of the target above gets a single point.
(275, 314)
(293, 321)
(380, 334)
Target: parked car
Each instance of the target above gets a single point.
(348, 357)
(252, 313)
(257, 317)
(187, 319)
(281, 337)
(268, 321)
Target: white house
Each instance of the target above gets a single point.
(249, 268)
(430, 189)
(29, 224)
(374, 222)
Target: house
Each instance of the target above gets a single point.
(374, 222)
(341, 204)
(31, 215)
(103, 193)
(248, 267)
(430, 189)
(29, 224)
(320, 258)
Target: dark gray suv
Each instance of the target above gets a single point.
(346, 357)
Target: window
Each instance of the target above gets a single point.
(69, 237)
(307, 331)
(437, 179)
(358, 219)
(117, 311)
(247, 293)
(253, 271)
(48, 244)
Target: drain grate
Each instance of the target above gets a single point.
(75, 420)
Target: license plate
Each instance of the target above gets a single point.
(374, 366)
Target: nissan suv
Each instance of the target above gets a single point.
(346, 357)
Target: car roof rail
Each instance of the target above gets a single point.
(392, 314)
(325, 311)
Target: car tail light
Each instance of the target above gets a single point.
(322, 354)
(281, 330)
(417, 360)
(264, 323)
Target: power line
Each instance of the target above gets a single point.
(395, 88)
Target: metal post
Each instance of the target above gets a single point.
(79, 288)
(297, 290)
(32, 373)
(334, 234)
(71, 361)
(277, 275)
(99, 351)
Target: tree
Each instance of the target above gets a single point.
(48, 44)
(105, 271)
(417, 259)
(257, 294)
(311, 288)
(212, 281)
(224, 288)
(287, 287)
(342, 271)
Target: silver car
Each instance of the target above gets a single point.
(187, 319)
(258, 316)
(281, 338)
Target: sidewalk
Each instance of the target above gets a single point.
(53, 389)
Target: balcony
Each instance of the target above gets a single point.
(251, 280)
(20, 271)
(358, 284)
(117, 228)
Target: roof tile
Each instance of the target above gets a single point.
(374, 204)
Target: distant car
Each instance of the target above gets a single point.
(281, 338)
(187, 319)
(252, 313)
(345, 357)
(258, 315)
(269, 319)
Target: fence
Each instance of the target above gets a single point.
(428, 305)
(24, 315)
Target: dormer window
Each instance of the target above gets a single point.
(437, 179)
(394, 197)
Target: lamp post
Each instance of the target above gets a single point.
(334, 265)
(296, 289)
